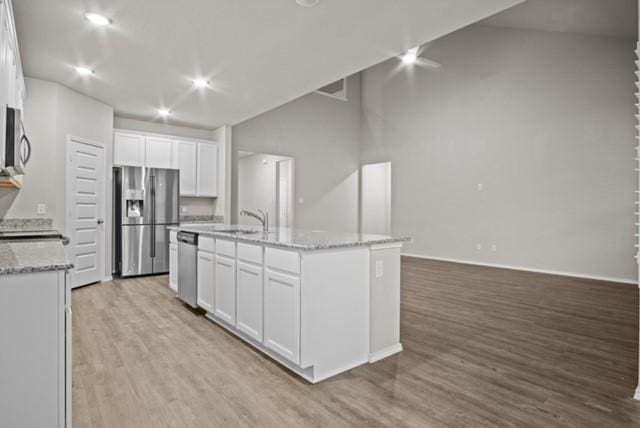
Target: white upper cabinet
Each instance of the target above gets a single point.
(129, 149)
(197, 161)
(12, 89)
(187, 164)
(158, 152)
(207, 180)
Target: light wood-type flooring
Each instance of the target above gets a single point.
(483, 347)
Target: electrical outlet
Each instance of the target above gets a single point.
(379, 269)
(478, 247)
(480, 187)
(41, 209)
(494, 248)
(183, 210)
(301, 201)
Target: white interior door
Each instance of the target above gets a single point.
(86, 212)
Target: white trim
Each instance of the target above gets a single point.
(168, 136)
(68, 209)
(107, 278)
(636, 396)
(384, 353)
(526, 269)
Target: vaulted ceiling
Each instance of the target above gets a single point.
(257, 55)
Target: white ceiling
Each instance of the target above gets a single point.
(617, 18)
(258, 54)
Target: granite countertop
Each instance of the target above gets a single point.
(32, 256)
(299, 239)
(197, 219)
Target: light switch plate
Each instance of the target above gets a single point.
(379, 269)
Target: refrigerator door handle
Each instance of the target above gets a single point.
(153, 216)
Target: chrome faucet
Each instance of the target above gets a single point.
(262, 218)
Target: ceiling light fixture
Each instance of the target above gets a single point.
(307, 3)
(164, 112)
(97, 19)
(84, 71)
(410, 56)
(200, 83)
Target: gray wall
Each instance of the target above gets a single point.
(544, 121)
(322, 134)
(53, 112)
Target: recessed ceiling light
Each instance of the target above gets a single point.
(164, 112)
(200, 83)
(307, 3)
(83, 71)
(410, 56)
(97, 19)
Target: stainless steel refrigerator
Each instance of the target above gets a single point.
(146, 202)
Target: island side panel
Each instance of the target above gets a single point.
(385, 301)
(334, 310)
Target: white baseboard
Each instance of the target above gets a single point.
(384, 353)
(526, 269)
(107, 278)
(636, 396)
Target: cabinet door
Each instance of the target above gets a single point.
(187, 164)
(224, 296)
(173, 267)
(128, 149)
(205, 280)
(282, 315)
(158, 152)
(207, 181)
(249, 305)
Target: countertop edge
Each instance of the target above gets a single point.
(300, 247)
(35, 269)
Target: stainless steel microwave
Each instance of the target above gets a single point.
(17, 149)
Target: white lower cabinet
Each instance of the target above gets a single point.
(35, 345)
(205, 280)
(173, 266)
(224, 300)
(282, 314)
(250, 302)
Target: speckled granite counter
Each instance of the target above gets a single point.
(299, 239)
(26, 257)
(204, 219)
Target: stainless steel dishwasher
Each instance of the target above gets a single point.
(188, 268)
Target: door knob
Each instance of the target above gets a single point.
(100, 221)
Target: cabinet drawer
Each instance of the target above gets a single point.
(173, 236)
(227, 248)
(250, 253)
(285, 260)
(205, 243)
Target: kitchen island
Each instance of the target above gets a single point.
(318, 302)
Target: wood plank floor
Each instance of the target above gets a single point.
(483, 347)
